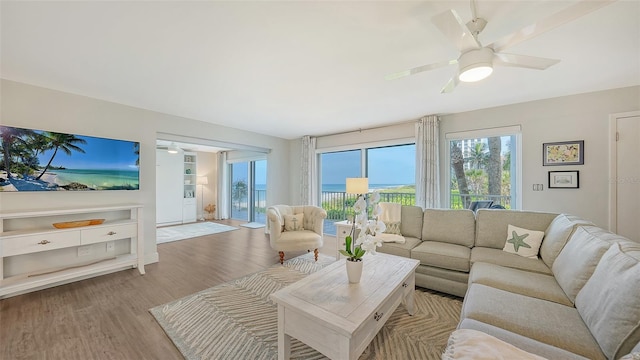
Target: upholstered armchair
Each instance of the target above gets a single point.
(293, 228)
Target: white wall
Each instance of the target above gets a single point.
(34, 107)
(578, 117)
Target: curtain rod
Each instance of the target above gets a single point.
(360, 130)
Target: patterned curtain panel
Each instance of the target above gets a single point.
(428, 162)
(223, 186)
(309, 185)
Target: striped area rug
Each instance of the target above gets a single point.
(236, 320)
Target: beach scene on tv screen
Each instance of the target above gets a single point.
(37, 160)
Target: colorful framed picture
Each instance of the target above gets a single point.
(564, 179)
(563, 153)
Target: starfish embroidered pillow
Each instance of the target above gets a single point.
(293, 222)
(523, 242)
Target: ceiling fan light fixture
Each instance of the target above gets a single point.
(475, 65)
(173, 148)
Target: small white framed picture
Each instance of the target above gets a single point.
(564, 180)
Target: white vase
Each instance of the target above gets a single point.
(354, 271)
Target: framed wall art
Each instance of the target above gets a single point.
(563, 153)
(564, 180)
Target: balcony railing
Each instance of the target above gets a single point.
(458, 201)
(339, 204)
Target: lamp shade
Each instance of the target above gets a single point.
(357, 185)
(202, 180)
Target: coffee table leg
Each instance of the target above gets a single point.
(408, 299)
(284, 340)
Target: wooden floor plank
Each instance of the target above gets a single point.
(107, 317)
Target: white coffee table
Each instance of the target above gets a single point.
(340, 319)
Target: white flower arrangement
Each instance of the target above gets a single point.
(366, 241)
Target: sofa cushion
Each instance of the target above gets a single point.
(522, 342)
(491, 224)
(411, 221)
(609, 301)
(400, 249)
(442, 255)
(499, 257)
(545, 321)
(449, 226)
(577, 261)
(523, 242)
(557, 234)
(458, 276)
(522, 282)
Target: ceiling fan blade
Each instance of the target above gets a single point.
(562, 17)
(453, 82)
(455, 30)
(524, 61)
(420, 69)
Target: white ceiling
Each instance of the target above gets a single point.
(292, 68)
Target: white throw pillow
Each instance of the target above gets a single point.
(293, 222)
(523, 242)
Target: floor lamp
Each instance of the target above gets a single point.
(202, 181)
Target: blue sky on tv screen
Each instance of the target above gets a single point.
(100, 153)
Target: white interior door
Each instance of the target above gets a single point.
(169, 186)
(625, 205)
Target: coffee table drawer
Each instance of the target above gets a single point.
(369, 329)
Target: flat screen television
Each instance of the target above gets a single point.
(38, 160)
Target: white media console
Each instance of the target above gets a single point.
(25, 233)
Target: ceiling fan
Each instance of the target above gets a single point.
(476, 61)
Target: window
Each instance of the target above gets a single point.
(484, 166)
(390, 169)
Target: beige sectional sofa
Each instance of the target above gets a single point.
(580, 298)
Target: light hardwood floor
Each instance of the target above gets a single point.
(107, 317)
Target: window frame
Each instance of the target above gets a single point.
(514, 130)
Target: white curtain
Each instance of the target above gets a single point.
(428, 162)
(308, 169)
(223, 186)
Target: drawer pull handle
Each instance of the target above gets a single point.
(377, 316)
(405, 285)
(111, 233)
(44, 242)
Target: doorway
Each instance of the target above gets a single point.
(624, 174)
(248, 195)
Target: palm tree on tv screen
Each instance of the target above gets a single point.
(64, 142)
(9, 137)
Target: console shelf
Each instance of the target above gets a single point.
(31, 232)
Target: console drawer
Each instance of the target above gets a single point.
(108, 233)
(27, 244)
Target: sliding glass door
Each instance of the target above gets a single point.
(259, 209)
(248, 196)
